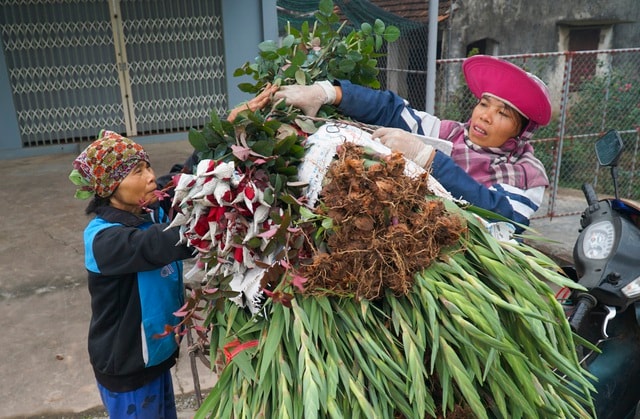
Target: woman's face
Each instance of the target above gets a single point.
(493, 122)
(135, 189)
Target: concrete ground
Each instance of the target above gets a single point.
(44, 302)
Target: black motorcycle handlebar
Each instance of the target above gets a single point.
(589, 194)
(583, 306)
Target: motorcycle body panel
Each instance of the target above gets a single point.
(617, 369)
(606, 277)
(607, 264)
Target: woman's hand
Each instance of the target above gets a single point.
(256, 103)
(308, 99)
(408, 144)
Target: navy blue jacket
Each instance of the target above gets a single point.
(135, 282)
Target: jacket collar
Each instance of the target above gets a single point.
(115, 215)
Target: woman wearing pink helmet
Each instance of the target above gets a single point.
(490, 163)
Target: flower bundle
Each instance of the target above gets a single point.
(478, 334)
(224, 215)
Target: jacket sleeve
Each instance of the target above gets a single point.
(120, 249)
(513, 203)
(385, 108)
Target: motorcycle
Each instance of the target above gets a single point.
(607, 264)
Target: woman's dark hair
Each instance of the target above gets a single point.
(524, 122)
(95, 203)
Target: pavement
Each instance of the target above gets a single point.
(44, 302)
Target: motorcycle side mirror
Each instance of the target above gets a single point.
(609, 148)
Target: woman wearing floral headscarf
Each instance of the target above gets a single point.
(490, 161)
(135, 278)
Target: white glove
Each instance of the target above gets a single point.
(309, 99)
(407, 143)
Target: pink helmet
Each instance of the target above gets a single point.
(519, 89)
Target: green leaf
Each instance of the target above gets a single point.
(342, 49)
(301, 77)
(239, 72)
(288, 170)
(283, 146)
(268, 196)
(379, 40)
(283, 52)
(268, 46)
(304, 30)
(310, 390)
(354, 56)
(77, 179)
(263, 147)
(272, 340)
(391, 34)
(306, 214)
(197, 140)
(80, 194)
(288, 199)
(306, 125)
(254, 243)
(220, 151)
(367, 408)
(290, 72)
(298, 59)
(215, 123)
(247, 87)
(244, 363)
(215, 396)
(288, 41)
(270, 55)
(277, 181)
(347, 65)
(325, 7)
(463, 380)
(378, 27)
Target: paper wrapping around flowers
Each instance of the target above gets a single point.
(322, 150)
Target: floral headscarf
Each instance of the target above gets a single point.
(100, 168)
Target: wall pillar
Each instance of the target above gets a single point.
(10, 138)
(246, 23)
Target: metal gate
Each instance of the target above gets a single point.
(132, 66)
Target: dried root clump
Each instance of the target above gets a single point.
(386, 228)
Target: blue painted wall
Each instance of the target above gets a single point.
(9, 133)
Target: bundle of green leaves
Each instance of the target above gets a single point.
(480, 335)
